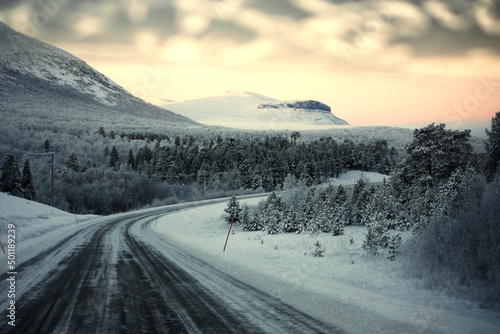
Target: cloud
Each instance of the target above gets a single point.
(487, 15)
(355, 35)
(444, 14)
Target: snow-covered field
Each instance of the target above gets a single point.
(335, 286)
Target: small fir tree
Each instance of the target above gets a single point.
(319, 251)
(233, 211)
(393, 244)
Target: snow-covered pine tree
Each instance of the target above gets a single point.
(114, 158)
(272, 216)
(393, 245)
(492, 145)
(358, 202)
(72, 162)
(245, 219)
(233, 211)
(376, 237)
(27, 182)
(10, 181)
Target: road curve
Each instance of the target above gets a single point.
(113, 277)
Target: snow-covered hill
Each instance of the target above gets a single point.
(29, 56)
(246, 110)
(32, 71)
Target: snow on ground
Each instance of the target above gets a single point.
(37, 226)
(335, 286)
(351, 177)
(33, 219)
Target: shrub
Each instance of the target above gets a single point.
(461, 251)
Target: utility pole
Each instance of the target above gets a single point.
(52, 175)
(126, 191)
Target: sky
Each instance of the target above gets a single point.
(372, 62)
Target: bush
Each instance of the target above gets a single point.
(461, 251)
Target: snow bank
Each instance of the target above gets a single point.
(33, 219)
(37, 226)
(345, 287)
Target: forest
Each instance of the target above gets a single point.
(442, 191)
(110, 171)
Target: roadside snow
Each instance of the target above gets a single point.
(336, 288)
(37, 226)
(33, 219)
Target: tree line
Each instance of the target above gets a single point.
(134, 170)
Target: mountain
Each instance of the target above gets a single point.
(246, 110)
(40, 80)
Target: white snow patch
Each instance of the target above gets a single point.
(351, 177)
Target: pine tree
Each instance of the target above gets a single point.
(27, 183)
(131, 161)
(10, 181)
(492, 145)
(114, 158)
(376, 237)
(272, 216)
(46, 145)
(72, 162)
(233, 210)
(106, 152)
(358, 202)
(393, 245)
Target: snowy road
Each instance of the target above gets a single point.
(116, 277)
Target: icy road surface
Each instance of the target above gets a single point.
(113, 277)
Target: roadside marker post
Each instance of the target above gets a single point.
(228, 233)
(230, 228)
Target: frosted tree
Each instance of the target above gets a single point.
(131, 160)
(114, 158)
(72, 162)
(492, 145)
(272, 216)
(27, 182)
(233, 211)
(10, 181)
(358, 202)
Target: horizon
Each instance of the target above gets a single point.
(373, 63)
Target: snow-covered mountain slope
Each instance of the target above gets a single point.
(32, 71)
(29, 56)
(246, 110)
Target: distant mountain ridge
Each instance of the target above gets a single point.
(40, 72)
(305, 105)
(247, 110)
